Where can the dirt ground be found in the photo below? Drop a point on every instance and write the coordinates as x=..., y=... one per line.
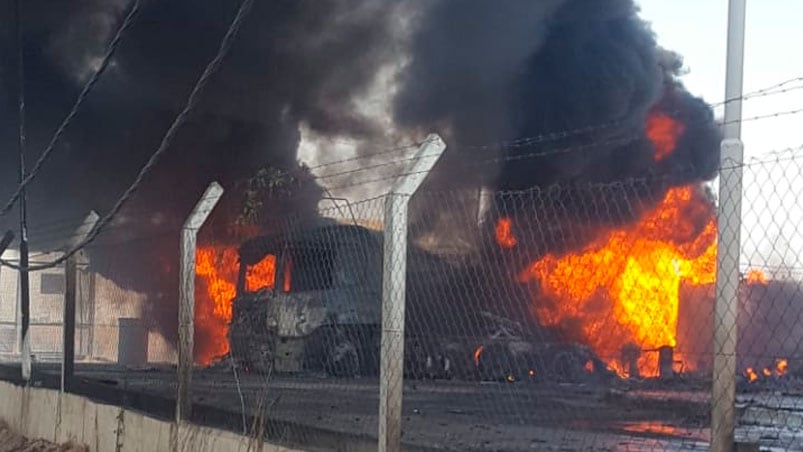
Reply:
x=11, y=441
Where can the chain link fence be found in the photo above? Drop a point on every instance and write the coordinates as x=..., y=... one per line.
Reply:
x=572, y=317
x=46, y=315
x=289, y=325
x=769, y=391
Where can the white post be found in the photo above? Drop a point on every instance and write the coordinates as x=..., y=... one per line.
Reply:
x=729, y=221
x=186, y=302
x=394, y=277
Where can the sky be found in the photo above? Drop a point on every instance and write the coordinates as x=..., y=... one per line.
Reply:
x=697, y=29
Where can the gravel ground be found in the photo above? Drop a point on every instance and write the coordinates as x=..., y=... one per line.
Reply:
x=11, y=441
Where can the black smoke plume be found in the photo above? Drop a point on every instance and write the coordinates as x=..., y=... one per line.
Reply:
x=476, y=71
x=293, y=62
x=492, y=72
x=585, y=74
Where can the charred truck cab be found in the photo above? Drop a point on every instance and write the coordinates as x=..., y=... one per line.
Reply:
x=319, y=311
x=323, y=310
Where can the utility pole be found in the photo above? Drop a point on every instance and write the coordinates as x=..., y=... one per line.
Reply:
x=729, y=222
x=25, y=300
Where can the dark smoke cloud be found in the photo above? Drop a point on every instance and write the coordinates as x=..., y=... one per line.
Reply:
x=491, y=72
x=498, y=71
x=293, y=62
x=479, y=72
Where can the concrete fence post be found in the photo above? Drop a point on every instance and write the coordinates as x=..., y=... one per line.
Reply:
x=726, y=308
x=729, y=224
x=394, y=277
x=186, y=305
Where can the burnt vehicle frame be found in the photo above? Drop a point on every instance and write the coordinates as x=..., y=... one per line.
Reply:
x=323, y=314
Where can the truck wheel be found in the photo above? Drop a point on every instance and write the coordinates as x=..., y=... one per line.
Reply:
x=342, y=359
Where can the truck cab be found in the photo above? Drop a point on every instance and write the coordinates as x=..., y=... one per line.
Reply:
x=320, y=311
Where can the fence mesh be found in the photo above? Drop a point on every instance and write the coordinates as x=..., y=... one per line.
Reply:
x=302, y=331
x=770, y=304
x=46, y=314
x=573, y=317
x=555, y=324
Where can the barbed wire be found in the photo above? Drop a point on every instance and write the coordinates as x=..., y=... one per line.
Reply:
x=775, y=155
x=559, y=135
x=764, y=116
x=211, y=68
x=543, y=153
x=88, y=86
x=402, y=148
x=624, y=140
x=531, y=141
x=777, y=88
x=522, y=142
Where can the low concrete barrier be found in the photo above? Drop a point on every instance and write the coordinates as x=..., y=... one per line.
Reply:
x=47, y=414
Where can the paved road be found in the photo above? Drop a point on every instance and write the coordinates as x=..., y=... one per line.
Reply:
x=473, y=416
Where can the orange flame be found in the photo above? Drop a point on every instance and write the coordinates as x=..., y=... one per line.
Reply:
x=781, y=367
x=751, y=375
x=262, y=275
x=767, y=372
x=589, y=366
x=288, y=275
x=477, y=354
x=504, y=233
x=216, y=267
x=754, y=276
x=664, y=132
x=624, y=286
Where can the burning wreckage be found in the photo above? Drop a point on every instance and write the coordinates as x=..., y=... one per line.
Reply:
x=616, y=280
x=628, y=297
x=308, y=301
x=321, y=311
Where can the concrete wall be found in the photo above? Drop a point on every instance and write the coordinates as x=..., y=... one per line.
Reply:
x=45, y=414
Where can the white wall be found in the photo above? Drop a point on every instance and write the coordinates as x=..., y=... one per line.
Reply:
x=111, y=302
x=46, y=414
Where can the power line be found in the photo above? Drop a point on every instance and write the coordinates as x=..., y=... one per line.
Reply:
x=129, y=19
x=211, y=68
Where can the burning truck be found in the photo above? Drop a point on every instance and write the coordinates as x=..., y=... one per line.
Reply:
x=321, y=312
x=599, y=260
x=309, y=300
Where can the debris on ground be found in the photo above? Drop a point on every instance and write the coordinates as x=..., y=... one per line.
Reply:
x=11, y=441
